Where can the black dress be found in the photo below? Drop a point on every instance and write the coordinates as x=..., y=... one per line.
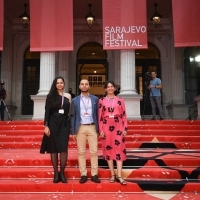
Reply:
x=59, y=129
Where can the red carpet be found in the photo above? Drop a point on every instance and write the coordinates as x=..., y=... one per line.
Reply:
x=161, y=156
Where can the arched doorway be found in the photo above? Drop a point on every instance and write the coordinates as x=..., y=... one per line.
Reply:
x=147, y=60
x=92, y=65
x=31, y=76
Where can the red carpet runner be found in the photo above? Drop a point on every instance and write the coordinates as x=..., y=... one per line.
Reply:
x=161, y=156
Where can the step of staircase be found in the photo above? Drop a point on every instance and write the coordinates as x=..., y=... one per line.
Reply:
x=129, y=145
x=161, y=156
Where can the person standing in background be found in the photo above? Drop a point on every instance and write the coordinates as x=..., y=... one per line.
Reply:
x=155, y=86
x=2, y=99
x=70, y=92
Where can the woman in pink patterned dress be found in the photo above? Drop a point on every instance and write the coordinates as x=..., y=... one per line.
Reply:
x=113, y=129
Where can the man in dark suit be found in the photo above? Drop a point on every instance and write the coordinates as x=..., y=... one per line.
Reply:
x=84, y=127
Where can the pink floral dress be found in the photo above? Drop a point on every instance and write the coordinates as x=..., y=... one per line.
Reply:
x=113, y=121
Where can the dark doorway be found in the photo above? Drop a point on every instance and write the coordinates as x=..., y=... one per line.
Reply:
x=146, y=61
x=142, y=84
x=92, y=65
x=31, y=76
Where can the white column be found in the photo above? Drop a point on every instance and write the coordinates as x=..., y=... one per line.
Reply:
x=178, y=109
x=47, y=71
x=47, y=74
x=128, y=89
x=128, y=72
x=197, y=99
x=177, y=79
x=63, y=69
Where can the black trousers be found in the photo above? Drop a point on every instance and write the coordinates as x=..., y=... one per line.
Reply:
x=2, y=109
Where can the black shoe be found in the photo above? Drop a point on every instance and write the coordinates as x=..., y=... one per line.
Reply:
x=153, y=118
x=95, y=179
x=121, y=181
x=56, y=178
x=62, y=178
x=161, y=118
x=83, y=179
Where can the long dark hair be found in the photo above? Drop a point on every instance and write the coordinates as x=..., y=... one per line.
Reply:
x=53, y=97
x=107, y=82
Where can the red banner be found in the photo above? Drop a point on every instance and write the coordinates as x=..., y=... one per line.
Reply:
x=1, y=23
x=51, y=25
x=186, y=17
x=124, y=24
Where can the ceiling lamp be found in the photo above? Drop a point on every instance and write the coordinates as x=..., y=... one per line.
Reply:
x=25, y=19
x=156, y=17
x=90, y=18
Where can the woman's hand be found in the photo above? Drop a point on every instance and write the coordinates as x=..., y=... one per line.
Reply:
x=47, y=131
x=124, y=133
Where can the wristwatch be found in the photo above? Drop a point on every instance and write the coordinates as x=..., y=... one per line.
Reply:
x=155, y=86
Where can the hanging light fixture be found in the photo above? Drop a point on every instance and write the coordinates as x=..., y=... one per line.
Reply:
x=90, y=18
x=156, y=17
x=25, y=19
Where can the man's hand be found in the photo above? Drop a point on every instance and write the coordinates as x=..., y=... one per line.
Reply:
x=152, y=86
x=74, y=138
x=102, y=134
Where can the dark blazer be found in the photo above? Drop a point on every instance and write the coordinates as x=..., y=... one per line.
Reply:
x=75, y=113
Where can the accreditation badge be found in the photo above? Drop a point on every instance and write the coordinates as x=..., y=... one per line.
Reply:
x=86, y=114
x=61, y=111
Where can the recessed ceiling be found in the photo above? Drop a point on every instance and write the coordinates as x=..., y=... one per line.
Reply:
x=81, y=9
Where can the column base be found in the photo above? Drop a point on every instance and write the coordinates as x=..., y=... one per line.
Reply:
x=197, y=99
x=178, y=111
x=10, y=112
x=132, y=103
x=38, y=106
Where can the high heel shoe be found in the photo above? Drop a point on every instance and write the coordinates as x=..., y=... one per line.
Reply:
x=112, y=179
x=62, y=178
x=56, y=178
x=121, y=181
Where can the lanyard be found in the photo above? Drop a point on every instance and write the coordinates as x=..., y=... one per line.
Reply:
x=86, y=106
x=109, y=101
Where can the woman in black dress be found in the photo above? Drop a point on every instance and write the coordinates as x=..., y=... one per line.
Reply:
x=56, y=131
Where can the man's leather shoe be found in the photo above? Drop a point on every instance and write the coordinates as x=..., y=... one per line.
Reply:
x=95, y=179
x=83, y=179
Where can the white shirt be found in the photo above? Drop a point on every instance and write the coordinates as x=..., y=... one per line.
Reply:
x=86, y=109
